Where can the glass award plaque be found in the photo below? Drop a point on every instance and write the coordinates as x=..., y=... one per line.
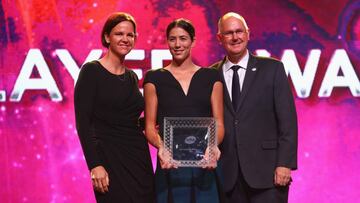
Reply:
x=187, y=139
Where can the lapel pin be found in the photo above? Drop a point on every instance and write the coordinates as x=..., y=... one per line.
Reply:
x=253, y=69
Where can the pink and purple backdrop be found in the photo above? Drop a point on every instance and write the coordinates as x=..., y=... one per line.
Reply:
x=43, y=44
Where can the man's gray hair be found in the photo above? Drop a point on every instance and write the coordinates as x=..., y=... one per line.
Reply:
x=232, y=14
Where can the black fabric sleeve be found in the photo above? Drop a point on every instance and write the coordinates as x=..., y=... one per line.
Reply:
x=287, y=118
x=84, y=99
x=134, y=77
x=215, y=75
x=150, y=77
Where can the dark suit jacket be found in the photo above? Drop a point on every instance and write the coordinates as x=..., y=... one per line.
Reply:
x=261, y=133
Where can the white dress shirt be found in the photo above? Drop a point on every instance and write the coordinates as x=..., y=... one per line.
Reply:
x=228, y=72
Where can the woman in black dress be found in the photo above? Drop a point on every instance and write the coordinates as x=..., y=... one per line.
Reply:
x=108, y=104
x=182, y=89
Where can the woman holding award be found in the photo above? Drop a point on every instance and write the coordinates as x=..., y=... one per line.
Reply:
x=182, y=89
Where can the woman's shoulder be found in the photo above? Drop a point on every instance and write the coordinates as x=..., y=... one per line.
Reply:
x=210, y=74
x=209, y=71
x=155, y=72
x=90, y=67
x=131, y=72
x=154, y=75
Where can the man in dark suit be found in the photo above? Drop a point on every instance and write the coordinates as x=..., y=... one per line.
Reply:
x=260, y=143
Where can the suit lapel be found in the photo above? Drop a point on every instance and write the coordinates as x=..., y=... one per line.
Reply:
x=227, y=99
x=251, y=71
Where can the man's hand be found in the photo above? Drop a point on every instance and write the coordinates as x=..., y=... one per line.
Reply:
x=282, y=176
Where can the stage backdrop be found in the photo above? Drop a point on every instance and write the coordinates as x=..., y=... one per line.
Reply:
x=44, y=43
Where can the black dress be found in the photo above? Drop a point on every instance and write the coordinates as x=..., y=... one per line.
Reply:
x=107, y=109
x=184, y=184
